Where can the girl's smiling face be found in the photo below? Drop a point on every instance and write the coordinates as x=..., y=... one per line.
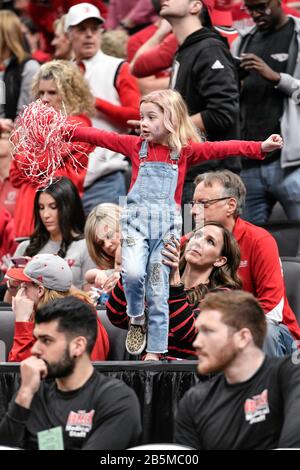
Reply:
x=152, y=124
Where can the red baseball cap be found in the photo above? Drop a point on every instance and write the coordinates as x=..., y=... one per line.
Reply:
x=16, y=271
x=17, y=274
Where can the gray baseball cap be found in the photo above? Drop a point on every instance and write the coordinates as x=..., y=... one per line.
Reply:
x=51, y=271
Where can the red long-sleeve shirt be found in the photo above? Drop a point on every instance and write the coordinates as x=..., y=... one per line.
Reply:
x=192, y=154
x=136, y=40
x=261, y=273
x=156, y=59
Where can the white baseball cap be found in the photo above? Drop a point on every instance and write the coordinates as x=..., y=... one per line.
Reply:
x=81, y=12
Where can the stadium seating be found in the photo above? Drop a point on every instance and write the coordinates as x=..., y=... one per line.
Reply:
x=287, y=236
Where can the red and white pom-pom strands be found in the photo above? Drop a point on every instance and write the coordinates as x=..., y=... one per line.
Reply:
x=41, y=142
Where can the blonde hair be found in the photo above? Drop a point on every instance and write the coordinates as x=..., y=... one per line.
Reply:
x=59, y=24
x=71, y=85
x=11, y=36
x=176, y=118
x=109, y=215
x=50, y=295
x=114, y=43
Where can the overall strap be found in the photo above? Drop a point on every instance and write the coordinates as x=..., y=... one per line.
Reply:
x=143, y=153
x=174, y=156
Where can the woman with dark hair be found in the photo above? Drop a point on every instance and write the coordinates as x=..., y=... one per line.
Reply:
x=198, y=269
x=59, y=228
x=209, y=262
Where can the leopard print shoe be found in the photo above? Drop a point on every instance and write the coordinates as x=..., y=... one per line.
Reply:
x=136, y=339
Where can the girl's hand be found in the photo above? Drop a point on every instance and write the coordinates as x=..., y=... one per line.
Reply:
x=22, y=307
x=274, y=142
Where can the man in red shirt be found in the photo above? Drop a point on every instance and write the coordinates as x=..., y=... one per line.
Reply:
x=220, y=196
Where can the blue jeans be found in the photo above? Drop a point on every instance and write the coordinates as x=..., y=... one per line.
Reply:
x=279, y=341
x=106, y=189
x=149, y=219
x=266, y=184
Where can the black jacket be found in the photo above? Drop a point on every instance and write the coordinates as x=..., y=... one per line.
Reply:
x=12, y=81
x=205, y=75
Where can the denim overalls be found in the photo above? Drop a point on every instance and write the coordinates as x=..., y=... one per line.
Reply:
x=150, y=218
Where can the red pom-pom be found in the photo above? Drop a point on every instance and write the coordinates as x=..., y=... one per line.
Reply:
x=41, y=142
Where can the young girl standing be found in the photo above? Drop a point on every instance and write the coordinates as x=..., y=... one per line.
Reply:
x=167, y=147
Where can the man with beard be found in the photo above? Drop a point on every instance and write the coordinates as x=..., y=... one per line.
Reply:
x=269, y=103
x=77, y=408
x=253, y=403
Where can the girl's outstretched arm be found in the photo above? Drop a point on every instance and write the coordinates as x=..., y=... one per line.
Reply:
x=119, y=143
x=233, y=148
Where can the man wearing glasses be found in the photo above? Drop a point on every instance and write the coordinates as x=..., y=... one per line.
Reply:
x=220, y=196
x=269, y=103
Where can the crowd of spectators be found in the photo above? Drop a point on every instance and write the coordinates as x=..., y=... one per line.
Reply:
x=235, y=64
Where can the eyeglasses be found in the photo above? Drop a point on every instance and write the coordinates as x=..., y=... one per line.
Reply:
x=259, y=7
x=208, y=202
